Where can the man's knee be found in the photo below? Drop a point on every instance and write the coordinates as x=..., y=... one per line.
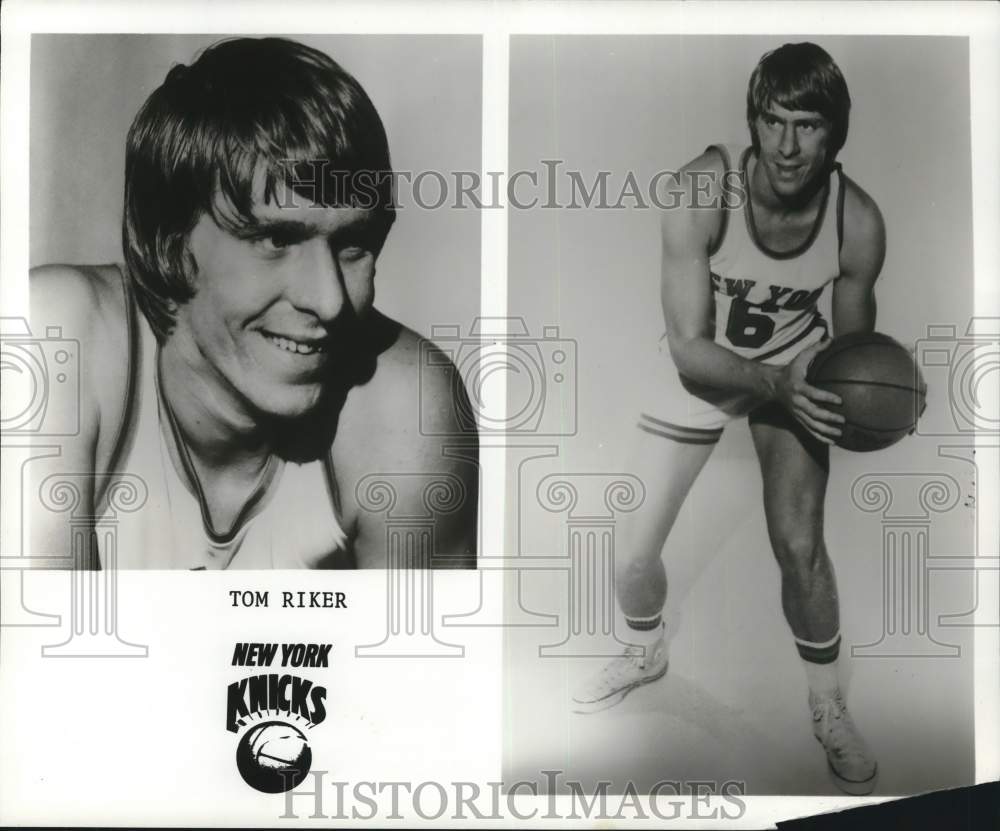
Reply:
x=800, y=552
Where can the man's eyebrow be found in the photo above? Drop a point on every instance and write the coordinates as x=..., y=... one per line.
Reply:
x=294, y=228
x=805, y=119
x=299, y=229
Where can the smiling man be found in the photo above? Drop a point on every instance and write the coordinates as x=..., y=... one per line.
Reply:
x=741, y=280
x=235, y=362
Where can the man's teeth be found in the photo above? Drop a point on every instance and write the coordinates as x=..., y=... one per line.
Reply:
x=295, y=346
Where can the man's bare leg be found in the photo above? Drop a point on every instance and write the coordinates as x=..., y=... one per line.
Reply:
x=795, y=467
x=667, y=468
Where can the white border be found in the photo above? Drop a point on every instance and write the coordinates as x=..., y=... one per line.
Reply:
x=493, y=289
x=984, y=69
x=497, y=21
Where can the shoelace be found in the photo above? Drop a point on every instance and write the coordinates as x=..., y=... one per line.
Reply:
x=620, y=665
x=831, y=715
x=623, y=663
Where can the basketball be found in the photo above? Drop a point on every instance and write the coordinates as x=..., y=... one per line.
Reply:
x=273, y=757
x=881, y=387
x=277, y=746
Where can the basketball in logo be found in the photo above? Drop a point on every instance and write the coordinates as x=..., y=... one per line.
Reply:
x=273, y=757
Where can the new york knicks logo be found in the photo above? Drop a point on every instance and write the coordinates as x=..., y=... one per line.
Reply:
x=274, y=714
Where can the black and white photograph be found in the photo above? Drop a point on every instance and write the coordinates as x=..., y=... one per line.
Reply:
x=208, y=217
x=470, y=413
x=757, y=589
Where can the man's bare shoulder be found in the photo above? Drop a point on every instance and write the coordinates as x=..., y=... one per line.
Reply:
x=862, y=248
x=77, y=297
x=862, y=217
x=693, y=201
x=405, y=424
x=710, y=161
x=86, y=304
x=706, y=178
x=415, y=392
x=416, y=384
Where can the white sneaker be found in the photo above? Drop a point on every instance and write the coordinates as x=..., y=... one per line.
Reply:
x=620, y=676
x=851, y=763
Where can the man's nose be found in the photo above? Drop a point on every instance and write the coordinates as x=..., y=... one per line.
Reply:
x=319, y=286
x=789, y=145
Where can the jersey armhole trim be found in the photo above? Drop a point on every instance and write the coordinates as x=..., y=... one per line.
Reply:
x=333, y=488
x=841, y=188
x=131, y=384
x=724, y=226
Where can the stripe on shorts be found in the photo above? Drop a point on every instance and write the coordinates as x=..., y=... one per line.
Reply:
x=677, y=432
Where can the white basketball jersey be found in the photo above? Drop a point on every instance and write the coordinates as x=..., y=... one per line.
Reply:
x=766, y=301
x=292, y=524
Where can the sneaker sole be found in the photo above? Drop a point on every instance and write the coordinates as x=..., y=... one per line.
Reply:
x=852, y=786
x=588, y=707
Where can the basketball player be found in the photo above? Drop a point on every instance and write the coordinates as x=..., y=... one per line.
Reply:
x=235, y=362
x=744, y=265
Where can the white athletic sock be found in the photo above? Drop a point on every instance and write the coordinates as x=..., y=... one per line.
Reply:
x=644, y=631
x=821, y=661
x=822, y=678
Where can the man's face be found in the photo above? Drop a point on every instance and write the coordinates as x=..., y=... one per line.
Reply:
x=794, y=145
x=273, y=300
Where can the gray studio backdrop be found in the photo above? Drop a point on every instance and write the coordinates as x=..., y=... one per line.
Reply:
x=733, y=704
x=85, y=90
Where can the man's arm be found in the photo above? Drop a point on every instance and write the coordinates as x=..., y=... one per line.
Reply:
x=451, y=451
x=68, y=298
x=687, y=234
x=861, y=256
x=415, y=442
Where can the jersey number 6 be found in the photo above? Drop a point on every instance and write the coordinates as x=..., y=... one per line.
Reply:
x=746, y=328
